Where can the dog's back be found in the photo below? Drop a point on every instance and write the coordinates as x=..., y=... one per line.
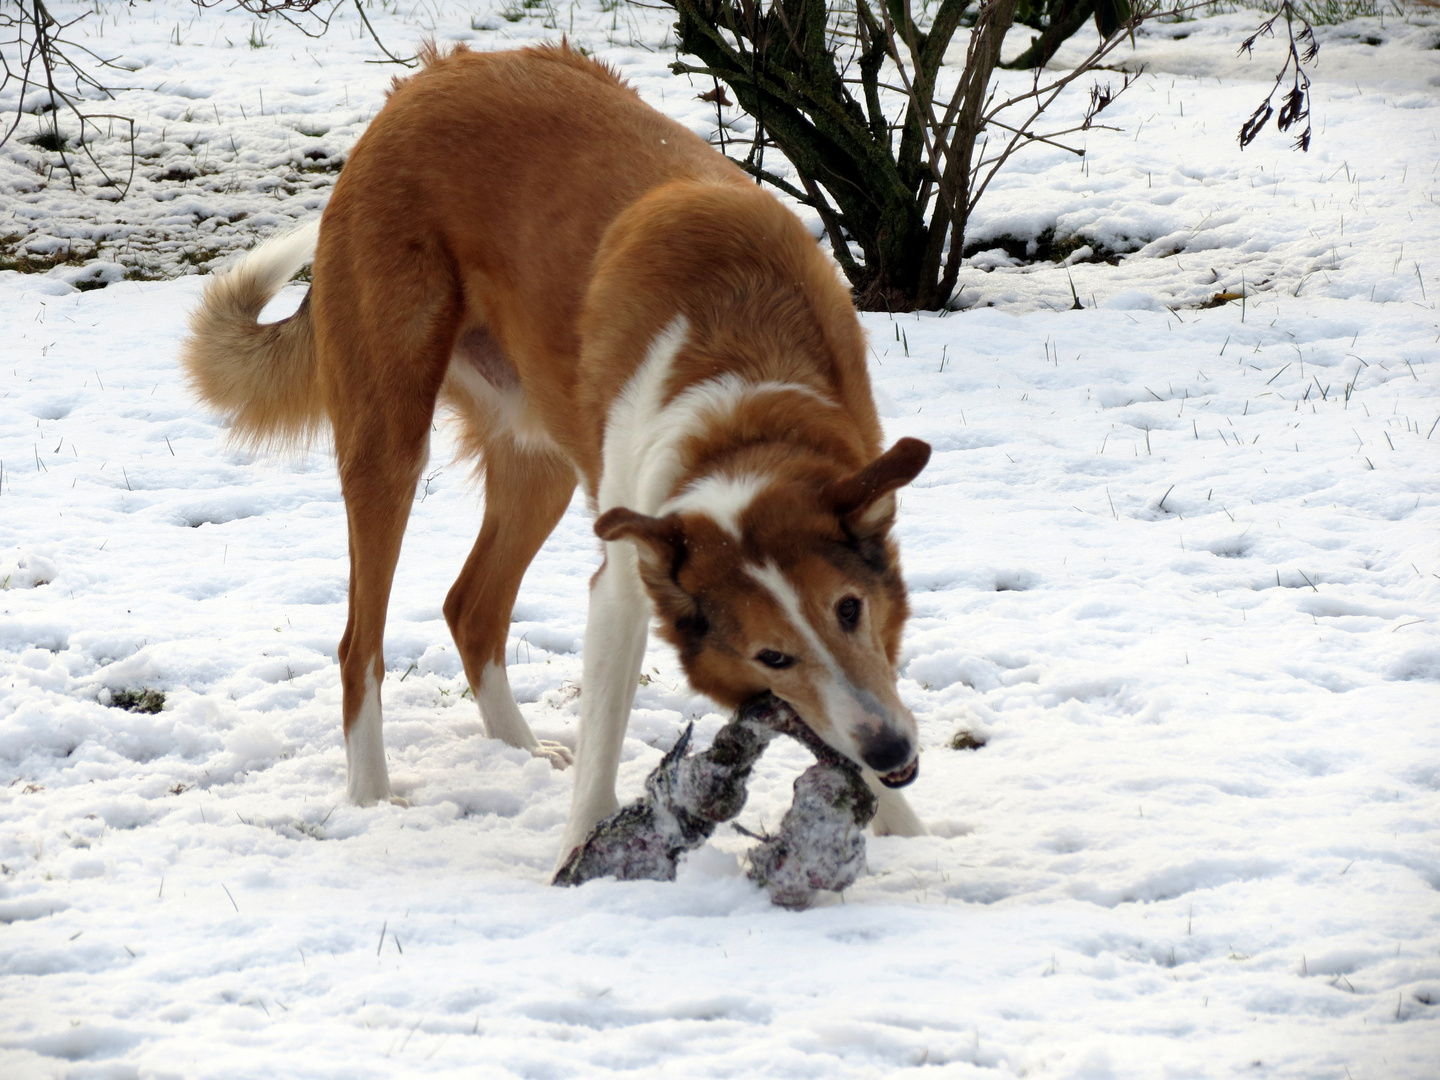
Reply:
x=506, y=168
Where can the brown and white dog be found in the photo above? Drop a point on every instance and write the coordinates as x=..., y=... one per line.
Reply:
x=598, y=295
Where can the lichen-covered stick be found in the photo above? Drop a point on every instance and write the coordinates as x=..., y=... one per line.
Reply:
x=684, y=799
x=820, y=844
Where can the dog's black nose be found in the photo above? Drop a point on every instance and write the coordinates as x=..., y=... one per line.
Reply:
x=886, y=751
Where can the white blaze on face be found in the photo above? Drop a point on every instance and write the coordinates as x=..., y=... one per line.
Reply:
x=838, y=695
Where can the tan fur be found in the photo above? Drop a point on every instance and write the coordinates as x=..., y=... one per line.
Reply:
x=507, y=239
x=807, y=526
x=263, y=377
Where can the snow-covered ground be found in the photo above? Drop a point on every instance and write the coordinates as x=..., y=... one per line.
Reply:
x=1178, y=569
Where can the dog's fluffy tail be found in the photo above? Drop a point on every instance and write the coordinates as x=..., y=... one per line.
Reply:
x=262, y=376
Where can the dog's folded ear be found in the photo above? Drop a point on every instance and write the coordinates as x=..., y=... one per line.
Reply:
x=865, y=502
x=664, y=536
x=660, y=545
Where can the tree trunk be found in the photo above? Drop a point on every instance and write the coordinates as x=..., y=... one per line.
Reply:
x=782, y=66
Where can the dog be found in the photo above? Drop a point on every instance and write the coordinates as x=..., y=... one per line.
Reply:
x=600, y=297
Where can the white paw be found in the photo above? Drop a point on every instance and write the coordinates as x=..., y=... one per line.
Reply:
x=894, y=817
x=368, y=794
x=898, y=824
x=880, y=827
x=558, y=754
x=373, y=798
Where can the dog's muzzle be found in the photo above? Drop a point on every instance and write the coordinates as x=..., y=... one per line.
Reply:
x=892, y=757
x=901, y=777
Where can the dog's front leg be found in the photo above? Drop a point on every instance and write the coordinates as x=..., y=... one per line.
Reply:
x=893, y=816
x=614, y=648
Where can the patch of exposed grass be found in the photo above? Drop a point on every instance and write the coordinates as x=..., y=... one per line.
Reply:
x=139, y=272
x=180, y=172
x=50, y=140
x=1046, y=247
x=143, y=700
x=966, y=740
x=13, y=256
x=201, y=257
x=321, y=161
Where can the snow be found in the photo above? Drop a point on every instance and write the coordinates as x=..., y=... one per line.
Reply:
x=1177, y=566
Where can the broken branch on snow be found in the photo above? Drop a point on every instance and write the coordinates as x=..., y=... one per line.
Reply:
x=820, y=844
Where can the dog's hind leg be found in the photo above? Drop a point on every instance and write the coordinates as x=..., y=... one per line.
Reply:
x=526, y=492
x=382, y=370
x=379, y=486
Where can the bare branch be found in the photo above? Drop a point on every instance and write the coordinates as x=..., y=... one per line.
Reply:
x=45, y=59
x=1301, y=49
x=794, y=64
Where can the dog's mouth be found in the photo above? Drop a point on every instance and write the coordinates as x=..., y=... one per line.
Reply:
x=901, y=777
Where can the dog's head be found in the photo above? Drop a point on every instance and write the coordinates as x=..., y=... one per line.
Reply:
x=790, y=582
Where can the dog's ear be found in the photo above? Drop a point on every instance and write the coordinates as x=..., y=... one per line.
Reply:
x=865, y=502
x=660, y=545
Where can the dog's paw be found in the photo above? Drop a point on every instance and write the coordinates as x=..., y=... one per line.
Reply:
x=396, y=800
x=558, y=754
x=368, y=794
x=894, y=817
x=898, y=824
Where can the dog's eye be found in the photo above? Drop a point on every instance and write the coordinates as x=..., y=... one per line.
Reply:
x=848, y=612
x=777, y=660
